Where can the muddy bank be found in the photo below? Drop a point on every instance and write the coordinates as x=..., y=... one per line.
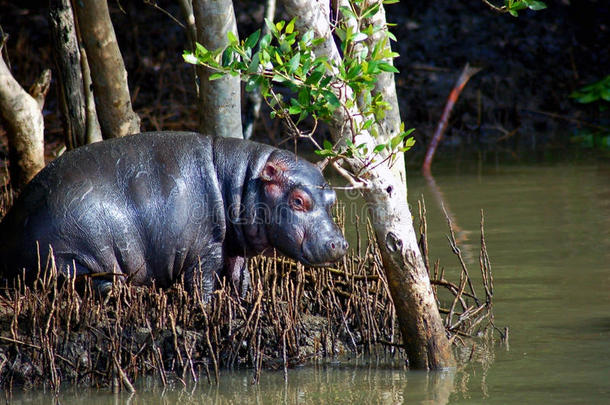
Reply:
x=54, y=334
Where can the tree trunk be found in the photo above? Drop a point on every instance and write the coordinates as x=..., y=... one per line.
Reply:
x=219, y=100
x=108, y=74
x=73, y=101
x=22, y=114
x=386, y=196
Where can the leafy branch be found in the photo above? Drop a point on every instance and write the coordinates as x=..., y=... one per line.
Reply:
x=296, y=84
x=514, y=6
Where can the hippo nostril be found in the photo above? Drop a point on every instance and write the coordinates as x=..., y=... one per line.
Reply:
x=332, y=245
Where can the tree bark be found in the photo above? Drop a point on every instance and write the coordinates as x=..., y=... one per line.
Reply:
x=108, y=74
x=386, y=196
x=70, y=77
x=219, y=100
x=22, y=114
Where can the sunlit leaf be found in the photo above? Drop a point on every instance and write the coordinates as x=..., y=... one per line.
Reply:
x=253, y=39
x=216, y=76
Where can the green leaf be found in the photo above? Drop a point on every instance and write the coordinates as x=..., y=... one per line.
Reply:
x=200, y=49
x=294, y=109
x=314, y=78
x=347, y=12
x=340, y=33
x=190, y=58
x=253, y=39
x=584, y=98
x=227, y=56
x=271, y=27
x=379, y=148
x=265, y=41
x=354, y=70
x=278, y=59
x=294, y=62
x=254, y=63
x=535, y=5
x=372, y=67
x=367, y=124
x=395, y=141
x=325, y=153
x=278, y=79
x=325, y=81
x=408, y=145
x=518, y=5
x=331, y=98
x=387, y=67
x=304, y=95
x=390, y=1
x=370, y=11
x=327, y=145
x=216, y=76
x=359, y=37
x=252, y=83
x=307, y=37
x=232, y=38
x=290, y=26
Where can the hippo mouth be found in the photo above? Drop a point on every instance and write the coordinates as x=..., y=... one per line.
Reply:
x=307, y=258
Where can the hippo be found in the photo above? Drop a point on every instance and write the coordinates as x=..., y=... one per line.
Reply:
x=154, y=207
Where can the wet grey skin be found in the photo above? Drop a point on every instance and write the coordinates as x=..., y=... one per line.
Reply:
x=156, y=206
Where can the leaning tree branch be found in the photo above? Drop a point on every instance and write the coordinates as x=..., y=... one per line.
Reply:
x=22, y=114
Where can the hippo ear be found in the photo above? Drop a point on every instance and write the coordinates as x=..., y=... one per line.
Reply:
x=272, y=172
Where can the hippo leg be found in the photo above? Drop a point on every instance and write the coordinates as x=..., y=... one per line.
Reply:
x=236, y=270
x=68, y=266
x=201, y=276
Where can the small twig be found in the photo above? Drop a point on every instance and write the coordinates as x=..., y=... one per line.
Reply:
x=467, y=73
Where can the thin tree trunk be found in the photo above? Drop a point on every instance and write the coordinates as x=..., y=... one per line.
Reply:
x=386, y=196
x=70, y=77
x=219, y=100
x=22, y=114
x=108, y=74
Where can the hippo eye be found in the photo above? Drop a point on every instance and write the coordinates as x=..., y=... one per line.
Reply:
x=300, y=201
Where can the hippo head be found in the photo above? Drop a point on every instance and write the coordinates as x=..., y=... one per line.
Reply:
x=298, y=203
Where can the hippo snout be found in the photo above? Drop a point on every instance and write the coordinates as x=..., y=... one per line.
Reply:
x=336, y=248
x=322, y=252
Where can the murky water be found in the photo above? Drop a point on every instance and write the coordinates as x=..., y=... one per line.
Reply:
x=548, y=235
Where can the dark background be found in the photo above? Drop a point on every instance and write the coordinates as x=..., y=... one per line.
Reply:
x=517, y=104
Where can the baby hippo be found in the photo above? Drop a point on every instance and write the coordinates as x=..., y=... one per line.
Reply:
x=156, y=206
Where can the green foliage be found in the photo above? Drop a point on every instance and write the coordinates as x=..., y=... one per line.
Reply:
x=590, y=93
x=286, y=58
x=514, y=6
x=592, y=139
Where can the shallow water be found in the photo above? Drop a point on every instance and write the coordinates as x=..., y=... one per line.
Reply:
x=548, y=236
